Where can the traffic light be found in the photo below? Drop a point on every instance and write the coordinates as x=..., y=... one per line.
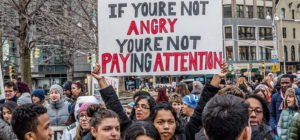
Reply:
x=263, y=64
x=11, y=72
x=89, y=58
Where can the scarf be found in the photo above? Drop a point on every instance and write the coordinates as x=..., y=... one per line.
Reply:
x=281, y=107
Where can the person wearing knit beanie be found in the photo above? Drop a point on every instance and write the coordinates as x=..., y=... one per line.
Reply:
x=67, y=89
x=189, y=104
x=84, y=121
x=38, y=96
x=57, y=89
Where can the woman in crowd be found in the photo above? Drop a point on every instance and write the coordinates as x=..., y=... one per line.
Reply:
x=182, y=89
x=83, y=128
x=105, y=124
x=162, y=95
x=294, y=133
x=142, y=130
x=176, y=102
x=243, y=85
x=5, y=120
x=129, y=108
x=289, y=111
x=38, y=96
x=259, y=115
x=262, y=93
x=189, y=104
x=57, y=109
x=23, y=93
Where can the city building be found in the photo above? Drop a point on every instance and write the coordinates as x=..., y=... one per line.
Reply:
x=288, y=32
x=248, y=38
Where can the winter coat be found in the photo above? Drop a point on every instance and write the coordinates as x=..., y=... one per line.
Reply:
x=275, y=111
x=285, y=121
x=184, y=133
x=6, y=131
x=2, y=101
x=88, y=136
x=295, y=128
x=58, y=112
x=70, y=132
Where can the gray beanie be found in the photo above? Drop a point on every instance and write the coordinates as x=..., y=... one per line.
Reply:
x=24, y=99
x=58, y=88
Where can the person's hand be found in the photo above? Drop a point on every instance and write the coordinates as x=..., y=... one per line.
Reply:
x=224, y=70
x=96, y=72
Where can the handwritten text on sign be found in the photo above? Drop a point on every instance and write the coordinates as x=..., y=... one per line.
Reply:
x=151, y=37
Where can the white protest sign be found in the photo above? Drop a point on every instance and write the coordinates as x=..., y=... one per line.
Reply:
x=152, y=37
x=58, y=132
x=114, y=82
x=1, y=85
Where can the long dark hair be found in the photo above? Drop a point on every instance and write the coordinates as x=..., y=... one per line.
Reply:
x=141, y=128
x=151, y=103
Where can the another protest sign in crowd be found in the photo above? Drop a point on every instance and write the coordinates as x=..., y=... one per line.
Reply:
x=265, y=110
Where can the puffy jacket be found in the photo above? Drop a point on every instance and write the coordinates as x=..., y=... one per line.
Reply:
x=58, y=112
x=284, y=123
x=274, y=108
x=70, y=132
x=295, y=128
x=6, y=131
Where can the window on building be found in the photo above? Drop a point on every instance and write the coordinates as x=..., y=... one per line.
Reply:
x=285, y=53
x=229, y=53
x=284, y=32
x=249, y=11
x=247, y=53
x=240, y=11
x=293, y=53
x=269, y=11
x=294, y=33
x=265, y=33
x=293, y=14
x=246, y=33
x=228, y=32
x=265, y=53
x=282, y=16
x=260, y=12
x=227, y=11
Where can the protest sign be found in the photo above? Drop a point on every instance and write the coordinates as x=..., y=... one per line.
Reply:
x=151, y=37
x=58, y=132
x=1, y=85
x=93, y=86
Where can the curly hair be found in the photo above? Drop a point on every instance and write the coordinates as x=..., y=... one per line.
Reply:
x=233, y=91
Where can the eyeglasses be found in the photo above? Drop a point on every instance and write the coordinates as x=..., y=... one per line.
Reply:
x=144, y=107
x=83, y=116
x=257, y=110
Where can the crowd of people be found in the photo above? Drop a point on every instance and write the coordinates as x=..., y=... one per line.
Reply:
x=265, y=110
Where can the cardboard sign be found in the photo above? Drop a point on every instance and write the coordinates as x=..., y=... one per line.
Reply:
x=152, y=37
x=114, y=82
x=1, y=85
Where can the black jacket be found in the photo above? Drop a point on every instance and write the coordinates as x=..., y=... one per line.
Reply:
x=184, y=133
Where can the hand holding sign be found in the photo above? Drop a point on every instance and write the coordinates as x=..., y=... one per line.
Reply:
x=224, y=70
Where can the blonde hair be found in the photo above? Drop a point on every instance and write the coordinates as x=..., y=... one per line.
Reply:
x=241, y=80
x=174, y=97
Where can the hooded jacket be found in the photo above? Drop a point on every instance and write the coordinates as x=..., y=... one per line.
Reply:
x=58, y=112
x=285, y=121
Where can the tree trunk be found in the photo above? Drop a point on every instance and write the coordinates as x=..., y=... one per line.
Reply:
x=1, y=57
x=69, y=66
x=121, y=84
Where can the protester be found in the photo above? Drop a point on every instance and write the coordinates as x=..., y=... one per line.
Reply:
x=261, y=92
x=162, y=95
x=67, y=91
x=22, y=89
x=143, y=108
x=83, y=128
x=189, y=104
x=182, y=89
x=105, y=125
x=295, y=81
x=176, y=102
x=5, y=120
x=10, y=90
x=277, y=102
x=197, y=88
x=77, y=90
x=226, y=117
x=24, y=99
x=129, y=108
x=7, y=110
x=137, y=94
x=31, y=122
x=289, y=111
x=38, y=96
x=142, y=130
x=57, y=108
x=259, y=115
x=243, y=85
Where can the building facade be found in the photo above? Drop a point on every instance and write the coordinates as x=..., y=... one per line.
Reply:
x=288, y=31
x=248, y=36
